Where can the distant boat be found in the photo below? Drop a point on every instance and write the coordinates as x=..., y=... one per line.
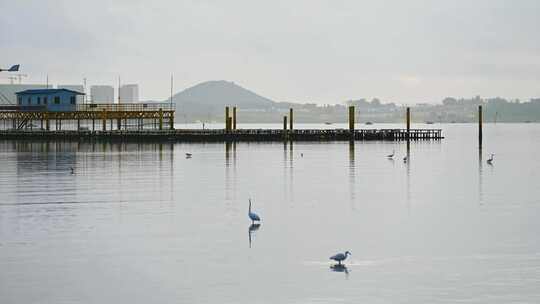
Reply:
x=429, y=122
x=369, y=123
x=327, y=123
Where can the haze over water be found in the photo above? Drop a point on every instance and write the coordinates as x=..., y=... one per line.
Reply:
x=140, y=223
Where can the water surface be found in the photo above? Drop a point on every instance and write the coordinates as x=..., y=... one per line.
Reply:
x=140, y=223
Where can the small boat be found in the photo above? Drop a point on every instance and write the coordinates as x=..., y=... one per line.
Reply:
x=369, y=123
x=429, y=122
x=327, y=123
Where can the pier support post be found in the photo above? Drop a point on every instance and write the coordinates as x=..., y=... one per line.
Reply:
x=160, y=119
x=408, y=122
x=480, y=124
x=78, y=124
x=285, y=126
x=119, y=124
x=171, y=120
x=234, y=118
x=291, y=117
x=47, y=124
x=104, y=120
x=351, y=119
x=226, y=119
x=229, y=122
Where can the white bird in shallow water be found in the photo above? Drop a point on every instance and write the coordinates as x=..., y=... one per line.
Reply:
x=340, y=257
x=253, y=216
x=391, y=155
x=490, y=160
x=188, y=155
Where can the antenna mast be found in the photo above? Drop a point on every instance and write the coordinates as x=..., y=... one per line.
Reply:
x=171, y=90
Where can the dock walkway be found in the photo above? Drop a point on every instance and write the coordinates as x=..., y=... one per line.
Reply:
x=220, y=135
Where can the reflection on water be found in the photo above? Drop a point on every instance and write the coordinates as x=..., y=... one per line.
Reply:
x=252, y=228
x=480, y=176
x=144, y=215
x=340, y=268
x=352, y=179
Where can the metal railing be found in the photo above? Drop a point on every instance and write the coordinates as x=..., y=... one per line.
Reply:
x=125, y=107
x=114, y=107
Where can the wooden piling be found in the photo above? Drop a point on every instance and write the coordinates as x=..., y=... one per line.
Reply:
x=119, y=124
x=285, y=125
x=160, y=119
x=229, y=122
x=291, y=119
x=408, y=118
x=171, y=120
x=351, y=119
x=234, y=118
x=480, y=124
x=226, y=119
x=104, y=118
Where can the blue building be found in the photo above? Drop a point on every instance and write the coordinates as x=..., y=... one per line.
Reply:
x=56, y=100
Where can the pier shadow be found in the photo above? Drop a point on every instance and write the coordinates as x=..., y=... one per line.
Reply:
x=252, y=228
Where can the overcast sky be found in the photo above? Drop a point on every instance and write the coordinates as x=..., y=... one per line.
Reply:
x=305, y=51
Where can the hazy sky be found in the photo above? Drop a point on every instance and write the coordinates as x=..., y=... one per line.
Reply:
x=307, y=51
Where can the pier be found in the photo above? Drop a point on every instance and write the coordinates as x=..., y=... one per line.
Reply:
x=155, y=122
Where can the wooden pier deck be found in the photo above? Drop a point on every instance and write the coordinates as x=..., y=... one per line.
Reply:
x=222, y=135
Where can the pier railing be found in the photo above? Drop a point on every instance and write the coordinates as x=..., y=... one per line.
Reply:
x=92, y=107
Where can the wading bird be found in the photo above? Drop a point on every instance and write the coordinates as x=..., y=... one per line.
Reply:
x=405, y=159
x=340, y=257
x=72, y=170
x=253, y=216
x=490, y=160
x=391, y=155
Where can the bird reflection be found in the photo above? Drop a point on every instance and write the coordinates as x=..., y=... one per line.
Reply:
x=251, y=229
x=340, y=268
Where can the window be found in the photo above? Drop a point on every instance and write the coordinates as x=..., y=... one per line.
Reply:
x=39, y=100
x=56, y=99
x=45, y=100
x=29, y=100
x=19, y=100
x=72, y=100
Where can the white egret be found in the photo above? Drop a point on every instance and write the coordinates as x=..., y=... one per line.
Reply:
x=340, y=257
x=253, y=216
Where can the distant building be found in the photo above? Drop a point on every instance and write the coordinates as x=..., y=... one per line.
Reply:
x=7, y=91
x=52, y=99
x=102, y=94
x=74, y=87
x=129, y=93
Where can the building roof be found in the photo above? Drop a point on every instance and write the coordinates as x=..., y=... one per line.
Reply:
x=47, y=91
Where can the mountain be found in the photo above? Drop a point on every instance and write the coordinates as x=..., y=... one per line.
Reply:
x=209, y=99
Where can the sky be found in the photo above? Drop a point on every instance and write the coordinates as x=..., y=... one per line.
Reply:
x=297, y=51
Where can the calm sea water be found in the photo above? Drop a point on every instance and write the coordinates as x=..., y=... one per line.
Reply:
x=140, y=223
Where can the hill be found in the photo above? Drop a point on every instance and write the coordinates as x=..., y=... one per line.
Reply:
x=209, y=99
